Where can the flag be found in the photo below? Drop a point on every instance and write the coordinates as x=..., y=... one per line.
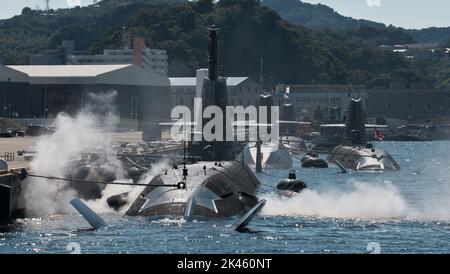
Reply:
x=378, y=135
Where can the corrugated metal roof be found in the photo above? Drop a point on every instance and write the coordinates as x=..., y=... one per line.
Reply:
x=67, y=70
x=192, y=81
x=124, y=74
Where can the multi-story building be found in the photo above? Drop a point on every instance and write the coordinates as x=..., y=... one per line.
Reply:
x=418, y=105
x=331, y=100
x=151, y=59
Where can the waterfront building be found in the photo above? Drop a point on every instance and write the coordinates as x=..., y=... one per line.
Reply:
x=42, y=92
x=330, y=101
x=416, y=105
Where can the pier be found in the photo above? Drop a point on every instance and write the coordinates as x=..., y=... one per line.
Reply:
x=10, y=190
x=11, y=206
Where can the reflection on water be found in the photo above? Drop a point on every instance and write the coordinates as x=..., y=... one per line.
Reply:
x=406, y=211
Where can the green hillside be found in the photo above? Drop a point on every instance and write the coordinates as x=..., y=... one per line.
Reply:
x=249, y=32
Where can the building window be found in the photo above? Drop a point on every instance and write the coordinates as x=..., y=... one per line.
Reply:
x=428, y=106
x=248, y=90
x=410, y=106
x=389, y=106
x=232, y=101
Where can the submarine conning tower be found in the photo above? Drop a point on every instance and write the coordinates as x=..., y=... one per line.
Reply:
x=214, y=93
x=288, y=114
x=266, y=100
x=212, y=53
x=355, y=129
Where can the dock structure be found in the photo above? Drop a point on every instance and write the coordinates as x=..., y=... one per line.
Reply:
x=12, y=177
x=10, y=190
x=11, y=182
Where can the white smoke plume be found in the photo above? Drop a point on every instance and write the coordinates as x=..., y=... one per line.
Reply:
x=361, y=201
x=101, y=205
x=87, y=131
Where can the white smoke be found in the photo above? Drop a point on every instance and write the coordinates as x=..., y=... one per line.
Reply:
x=101, y=205
x=86, y=132
x=361, y=201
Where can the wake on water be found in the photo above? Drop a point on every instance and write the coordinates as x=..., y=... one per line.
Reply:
x=75, y=135
x=362, y=200
x=359, y=200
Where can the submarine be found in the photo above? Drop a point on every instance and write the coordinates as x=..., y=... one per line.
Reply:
x=312, y=160
x=356, y=153
x=273, y=155
x=289, y=128
x=215, y=184
x=291, y=186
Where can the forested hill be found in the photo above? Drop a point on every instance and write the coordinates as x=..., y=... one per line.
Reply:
x=249, y=31
x=323, y=17
x=316, y=16
x=431, y=35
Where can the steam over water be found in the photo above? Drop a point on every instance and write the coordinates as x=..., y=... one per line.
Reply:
x=86, y=132
x=359, y=200
x=419, y=192
x=405, y=212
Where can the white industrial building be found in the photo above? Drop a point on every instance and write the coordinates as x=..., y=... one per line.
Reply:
x=43, y=91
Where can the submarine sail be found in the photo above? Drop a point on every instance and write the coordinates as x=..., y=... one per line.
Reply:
x=216, y=186
x=356, y=153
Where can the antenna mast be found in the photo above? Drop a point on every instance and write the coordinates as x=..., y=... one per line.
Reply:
x=261, y=72
x=212, y=53
x=185, y=170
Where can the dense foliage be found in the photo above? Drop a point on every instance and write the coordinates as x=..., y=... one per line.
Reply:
x=315, y=16
x=249, y=32
x=323, y=17
x=430, y=35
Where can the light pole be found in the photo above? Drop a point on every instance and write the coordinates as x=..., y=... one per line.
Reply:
x=45, y=102
x=136, y=109
x=131, y=108
x=4, y=95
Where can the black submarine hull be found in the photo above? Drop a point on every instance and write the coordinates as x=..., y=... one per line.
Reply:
x=361, y=158
x=222, y=189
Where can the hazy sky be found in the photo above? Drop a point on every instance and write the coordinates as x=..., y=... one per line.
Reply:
x=402, y=13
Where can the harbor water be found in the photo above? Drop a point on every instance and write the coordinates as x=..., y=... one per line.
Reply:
x=361, y=212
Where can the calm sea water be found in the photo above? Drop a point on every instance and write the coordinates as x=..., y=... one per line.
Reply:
x=399, y=212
